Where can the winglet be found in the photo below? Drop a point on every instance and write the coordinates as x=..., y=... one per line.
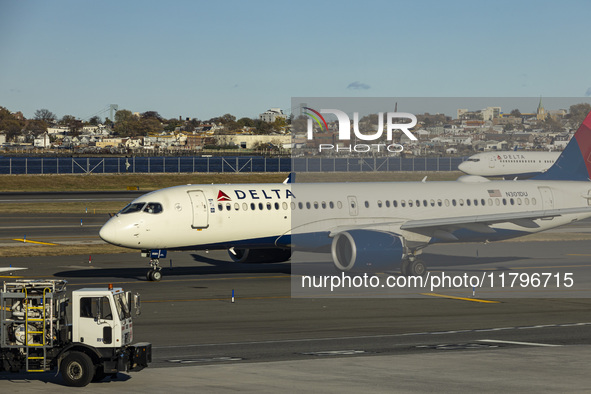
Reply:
x=574, y=164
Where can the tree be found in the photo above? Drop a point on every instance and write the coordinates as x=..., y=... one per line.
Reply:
x=36, y=126
x=516, y=113
x=45, y=115
x=227, y=118
x=245, y=122
x=172, y=124
x=578, y=112
x=151, y=115
x=126, y=124
x=149, y=125
x=95, y=121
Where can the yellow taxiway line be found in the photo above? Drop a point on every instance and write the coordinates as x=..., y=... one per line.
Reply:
x=34, y=242
x=461, y=298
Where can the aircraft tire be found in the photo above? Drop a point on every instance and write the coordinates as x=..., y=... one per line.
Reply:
x=150, y=275
x=417, y=268
x=156, y=275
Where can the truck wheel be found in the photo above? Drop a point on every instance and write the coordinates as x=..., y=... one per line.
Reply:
x=77, y=369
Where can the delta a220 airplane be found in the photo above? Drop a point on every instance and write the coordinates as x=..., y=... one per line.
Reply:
x=509, y=164
x=367, y=227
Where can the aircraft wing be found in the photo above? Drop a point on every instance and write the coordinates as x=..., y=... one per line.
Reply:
x=524, y=219
x=9, y=269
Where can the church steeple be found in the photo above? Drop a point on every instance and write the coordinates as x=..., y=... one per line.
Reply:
x=541, y=112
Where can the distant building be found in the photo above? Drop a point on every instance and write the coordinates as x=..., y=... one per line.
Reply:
x=272, y=114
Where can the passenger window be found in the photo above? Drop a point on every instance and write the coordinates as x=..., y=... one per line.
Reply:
x=308, y=204
x=331, y=205
x=220, y=207
x=387, y=203
x=395, y=204
x=402, y=203
x=533, y=201
x=236, y=206
x=261, y=206
x=379, y=203
x=432, y=203
x=468, y=203
x=284, y=205
x=228, y=206
x=424, y=203
x=244, y=206
x=277, y=205
x=418, y=203
x=300, y=205
x=323, y=203
x=252, y=206
x=268, y=206
x=453, y=202
x=315, y=204
x=339, y=204
x=439, y=202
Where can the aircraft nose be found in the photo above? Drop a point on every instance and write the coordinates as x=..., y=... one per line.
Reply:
x=463, y=166
x=108, y=232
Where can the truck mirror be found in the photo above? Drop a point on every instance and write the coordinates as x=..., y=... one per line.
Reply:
x=137, y=304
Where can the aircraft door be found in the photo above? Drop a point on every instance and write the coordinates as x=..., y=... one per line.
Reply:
x=492, y=162
x=200, y=211
x=547, y=198
x=353, y=207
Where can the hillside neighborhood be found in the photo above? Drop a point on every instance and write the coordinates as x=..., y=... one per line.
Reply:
x=277, y=133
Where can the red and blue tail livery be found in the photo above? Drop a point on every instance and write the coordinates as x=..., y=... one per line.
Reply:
x=574, y=164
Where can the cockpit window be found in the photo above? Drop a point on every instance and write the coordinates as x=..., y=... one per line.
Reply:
x=133, y=207
x=475, y=160
x=153, y=207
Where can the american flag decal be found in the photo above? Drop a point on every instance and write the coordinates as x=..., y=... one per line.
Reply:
x=494, y=193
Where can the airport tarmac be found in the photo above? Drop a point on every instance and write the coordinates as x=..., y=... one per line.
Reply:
x=267, y=341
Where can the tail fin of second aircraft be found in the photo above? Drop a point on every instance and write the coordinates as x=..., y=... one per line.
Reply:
x=574, y=164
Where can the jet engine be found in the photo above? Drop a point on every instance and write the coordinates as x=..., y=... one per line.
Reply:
x=367, y=251
x=259, y=256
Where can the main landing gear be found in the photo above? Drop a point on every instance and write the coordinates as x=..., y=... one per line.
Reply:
x=413, y=267
x=155, y=272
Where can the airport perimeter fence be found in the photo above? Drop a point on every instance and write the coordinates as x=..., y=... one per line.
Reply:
x=118, y=165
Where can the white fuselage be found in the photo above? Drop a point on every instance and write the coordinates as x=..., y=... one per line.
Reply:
x=267, y=215
x=509, y=164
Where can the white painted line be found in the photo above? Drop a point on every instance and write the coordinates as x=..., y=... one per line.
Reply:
x=518, y=343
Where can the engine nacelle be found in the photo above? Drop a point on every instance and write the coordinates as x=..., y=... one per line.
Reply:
x=259, y=256
x=367, y=251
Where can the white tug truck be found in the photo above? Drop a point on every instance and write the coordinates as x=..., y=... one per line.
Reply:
x=38, y=337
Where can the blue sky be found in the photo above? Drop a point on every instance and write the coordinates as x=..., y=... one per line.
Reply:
x=204, y=59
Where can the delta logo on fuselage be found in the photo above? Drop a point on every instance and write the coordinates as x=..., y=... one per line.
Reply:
x=511, y=157
x=257, y=194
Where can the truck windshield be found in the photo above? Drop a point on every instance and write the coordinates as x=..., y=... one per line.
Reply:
x=122, y=307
